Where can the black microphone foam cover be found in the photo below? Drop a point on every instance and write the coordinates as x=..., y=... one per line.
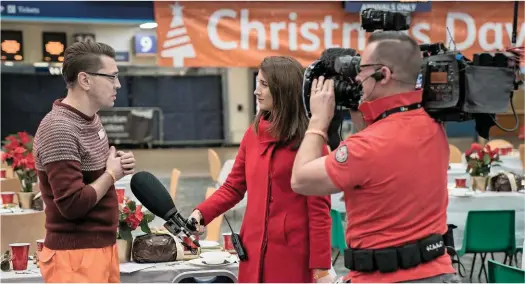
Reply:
x=152, y=194
x=329, y=56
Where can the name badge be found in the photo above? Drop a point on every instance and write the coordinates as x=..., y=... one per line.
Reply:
x=101, y=134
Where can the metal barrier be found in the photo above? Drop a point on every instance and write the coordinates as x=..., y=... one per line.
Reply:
x=209, y=276
x=133, y=125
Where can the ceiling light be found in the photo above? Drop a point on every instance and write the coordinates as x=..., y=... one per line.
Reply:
x=148, y=26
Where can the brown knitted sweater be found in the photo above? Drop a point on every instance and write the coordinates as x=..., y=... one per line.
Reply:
x=71, y=150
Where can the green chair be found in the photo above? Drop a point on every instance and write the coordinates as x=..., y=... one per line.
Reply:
x=338, y=233
x=489, y=232
x=501, y=273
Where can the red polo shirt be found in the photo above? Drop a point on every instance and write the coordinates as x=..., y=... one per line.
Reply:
x=394, y=176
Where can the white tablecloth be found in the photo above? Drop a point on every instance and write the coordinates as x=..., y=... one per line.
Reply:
x=458, y=208
x=161, y=273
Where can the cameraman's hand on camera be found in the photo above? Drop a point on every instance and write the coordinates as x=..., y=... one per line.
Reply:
x=198, y=217
x=322, y=103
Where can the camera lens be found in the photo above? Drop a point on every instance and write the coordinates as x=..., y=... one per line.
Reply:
x=347, y=66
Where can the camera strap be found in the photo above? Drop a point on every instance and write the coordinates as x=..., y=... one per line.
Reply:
x=398, y=109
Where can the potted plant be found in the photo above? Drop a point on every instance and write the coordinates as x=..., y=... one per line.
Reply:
x=479, y=162
x=130, y=218
x=18, y=154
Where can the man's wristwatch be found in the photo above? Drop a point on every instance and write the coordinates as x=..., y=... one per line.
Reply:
x=318, y=274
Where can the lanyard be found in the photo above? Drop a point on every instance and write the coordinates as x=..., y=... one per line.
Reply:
x=398, y=109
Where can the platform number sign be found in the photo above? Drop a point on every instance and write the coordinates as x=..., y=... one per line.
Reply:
x=145, y=45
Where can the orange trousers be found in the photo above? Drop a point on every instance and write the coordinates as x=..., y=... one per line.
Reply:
x=100, y=265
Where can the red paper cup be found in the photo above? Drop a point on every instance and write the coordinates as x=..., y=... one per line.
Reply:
x=20, y=255
x=2, y=173
x=189, y=242
x=39, y=244
x=120, y=195
x=227, y=242
x=7, y=197
x=461, y=183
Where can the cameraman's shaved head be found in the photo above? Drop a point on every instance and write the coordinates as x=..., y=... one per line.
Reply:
x=399, y=52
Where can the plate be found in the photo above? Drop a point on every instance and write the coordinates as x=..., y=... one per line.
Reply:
x=457, y=192
x=202, y=262
x=208, y=244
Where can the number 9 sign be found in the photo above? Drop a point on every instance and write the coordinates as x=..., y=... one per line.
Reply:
x=145, y=44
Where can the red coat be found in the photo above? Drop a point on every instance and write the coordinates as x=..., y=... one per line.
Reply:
x=285, y=234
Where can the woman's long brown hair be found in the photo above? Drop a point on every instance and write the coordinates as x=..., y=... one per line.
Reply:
x=288, y=118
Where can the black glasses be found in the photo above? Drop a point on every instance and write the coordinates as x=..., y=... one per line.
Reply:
x=112, y=76
x=371, y=65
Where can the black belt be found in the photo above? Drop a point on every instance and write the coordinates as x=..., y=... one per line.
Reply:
x=392, y=259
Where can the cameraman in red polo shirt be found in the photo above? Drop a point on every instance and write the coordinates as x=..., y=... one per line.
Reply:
x=393, y=172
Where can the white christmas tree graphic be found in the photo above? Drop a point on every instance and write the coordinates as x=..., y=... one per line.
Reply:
x=177, y=44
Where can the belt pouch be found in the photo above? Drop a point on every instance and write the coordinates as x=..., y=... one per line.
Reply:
x=409, y=256
x=431, y=247
x=349, y=259
x=386, y=260
x=363, y=260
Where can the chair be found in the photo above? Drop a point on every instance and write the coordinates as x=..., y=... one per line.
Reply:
x=489, y=231
x=455, y=154
x=213, y=230
x=501, y=273
x=215, y=164
x=206, y=276
x=338, y=233
x=174, y=181
x=499, y=143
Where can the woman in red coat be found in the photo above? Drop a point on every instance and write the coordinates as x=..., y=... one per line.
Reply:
x=286, y=235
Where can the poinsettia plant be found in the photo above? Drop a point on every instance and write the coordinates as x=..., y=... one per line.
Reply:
x=131, y=217
x=18, y=154
x=480, y=159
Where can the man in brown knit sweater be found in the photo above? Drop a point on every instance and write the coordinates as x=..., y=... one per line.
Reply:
x=77, y=171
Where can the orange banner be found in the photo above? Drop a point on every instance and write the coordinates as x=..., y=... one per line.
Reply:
x=241, y=34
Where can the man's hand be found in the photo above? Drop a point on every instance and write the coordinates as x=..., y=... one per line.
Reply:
x=322, y=103
x=127, y=161
x=198, y=217
x=113, y=164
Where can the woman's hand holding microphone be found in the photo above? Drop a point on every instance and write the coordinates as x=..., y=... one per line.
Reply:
x=196, y=218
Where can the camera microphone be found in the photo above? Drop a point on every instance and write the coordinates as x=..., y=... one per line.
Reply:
x=154, y=196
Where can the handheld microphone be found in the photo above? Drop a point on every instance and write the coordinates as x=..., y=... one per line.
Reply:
x=154, y=196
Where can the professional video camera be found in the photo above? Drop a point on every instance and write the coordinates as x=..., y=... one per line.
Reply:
x=454, y=87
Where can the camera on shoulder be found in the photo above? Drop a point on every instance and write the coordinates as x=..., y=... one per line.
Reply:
x=455, y=88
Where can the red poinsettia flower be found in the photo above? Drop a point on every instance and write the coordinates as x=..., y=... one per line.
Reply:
x=17, y=153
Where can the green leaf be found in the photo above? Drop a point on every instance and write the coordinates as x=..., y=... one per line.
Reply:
x=125, y=232
x=486, y=159
x=144, y=226
x=149, y=217
x=132, y=205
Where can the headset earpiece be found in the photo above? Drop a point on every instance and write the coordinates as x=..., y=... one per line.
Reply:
x=378, y=75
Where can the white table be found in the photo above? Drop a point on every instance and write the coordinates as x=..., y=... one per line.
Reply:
x=161, y=273
x=458, y=208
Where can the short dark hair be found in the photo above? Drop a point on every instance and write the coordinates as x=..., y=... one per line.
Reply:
x=83, y=57
x=399, y=52
x=288, y=117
